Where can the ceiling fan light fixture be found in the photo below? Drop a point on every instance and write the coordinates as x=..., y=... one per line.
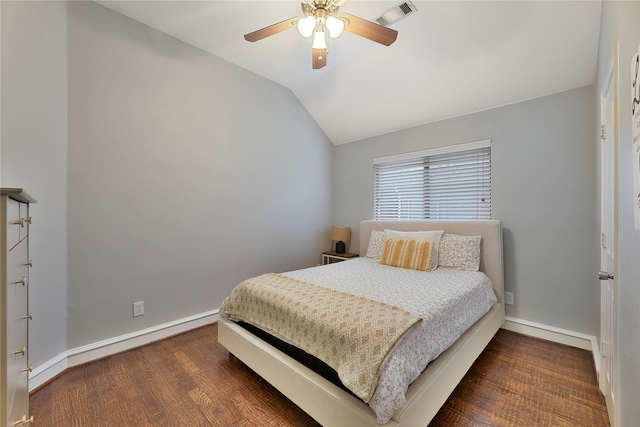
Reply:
x=321, y=20
x=335, y=26
x=319, y=39
x=306, y=26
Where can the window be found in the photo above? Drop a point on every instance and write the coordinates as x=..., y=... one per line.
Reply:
x=446, y=183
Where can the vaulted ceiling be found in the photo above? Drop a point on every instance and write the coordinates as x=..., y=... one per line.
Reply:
x=450, y=58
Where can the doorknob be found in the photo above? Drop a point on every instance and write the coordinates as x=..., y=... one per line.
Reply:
x=603, y=275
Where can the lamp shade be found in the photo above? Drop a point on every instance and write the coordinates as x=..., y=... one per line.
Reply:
x=319, y=39
x=342, y=234
x=306, y=26
x=335, y=26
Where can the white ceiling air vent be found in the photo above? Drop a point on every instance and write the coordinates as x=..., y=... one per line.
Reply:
x=396, y=13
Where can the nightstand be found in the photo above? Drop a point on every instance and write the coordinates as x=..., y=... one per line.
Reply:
x=329, y=257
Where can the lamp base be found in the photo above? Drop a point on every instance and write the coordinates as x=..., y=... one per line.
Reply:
x=340, y=247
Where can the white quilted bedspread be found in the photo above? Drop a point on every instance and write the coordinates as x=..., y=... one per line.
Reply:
x=448, y=300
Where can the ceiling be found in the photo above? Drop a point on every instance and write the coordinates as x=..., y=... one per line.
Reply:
x=451, y=57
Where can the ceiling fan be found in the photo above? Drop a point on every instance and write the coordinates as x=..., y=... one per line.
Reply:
x=321, y=20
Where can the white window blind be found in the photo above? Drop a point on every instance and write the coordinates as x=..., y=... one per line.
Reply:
x=449, y=183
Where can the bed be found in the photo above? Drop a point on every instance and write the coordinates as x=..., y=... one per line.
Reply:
x=329, y=403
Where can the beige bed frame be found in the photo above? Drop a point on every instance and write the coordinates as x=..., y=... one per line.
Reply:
x=332, y=406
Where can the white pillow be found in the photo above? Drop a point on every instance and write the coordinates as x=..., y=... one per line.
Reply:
x=432, y=236
x=376, y=244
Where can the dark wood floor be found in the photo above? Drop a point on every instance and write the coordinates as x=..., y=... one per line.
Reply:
x=190, y=380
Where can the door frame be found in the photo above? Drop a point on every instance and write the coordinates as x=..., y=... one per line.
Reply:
x=609, y=130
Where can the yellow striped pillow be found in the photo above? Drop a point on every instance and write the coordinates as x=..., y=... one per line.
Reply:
x=407, y=254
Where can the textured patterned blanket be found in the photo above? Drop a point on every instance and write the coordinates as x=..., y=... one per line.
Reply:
x=353, y=335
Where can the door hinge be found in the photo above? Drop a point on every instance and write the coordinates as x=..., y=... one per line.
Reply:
x=602, y=132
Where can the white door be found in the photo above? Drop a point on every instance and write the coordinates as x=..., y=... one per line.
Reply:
x=608, y=241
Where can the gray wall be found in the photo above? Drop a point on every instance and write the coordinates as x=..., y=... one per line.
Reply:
x=621, y=24
x=543, y=189
x=34, y=155
x=178, y=175
x=187, y=174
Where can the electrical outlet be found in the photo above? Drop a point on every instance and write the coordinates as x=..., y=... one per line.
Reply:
x=138, y=308
x=508, y=298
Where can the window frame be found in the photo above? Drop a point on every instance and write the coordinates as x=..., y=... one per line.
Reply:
x=411, y=170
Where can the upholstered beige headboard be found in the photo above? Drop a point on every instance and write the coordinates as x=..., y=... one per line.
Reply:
x=491, y=260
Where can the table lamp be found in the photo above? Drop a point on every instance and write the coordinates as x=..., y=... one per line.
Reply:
x=341, y=234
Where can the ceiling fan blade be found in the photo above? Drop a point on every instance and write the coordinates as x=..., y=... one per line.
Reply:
x=369, y=30
x=271, y=30
x=319, y=58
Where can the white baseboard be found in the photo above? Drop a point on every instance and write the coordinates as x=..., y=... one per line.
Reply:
x=108, y=347
x=559, y=335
